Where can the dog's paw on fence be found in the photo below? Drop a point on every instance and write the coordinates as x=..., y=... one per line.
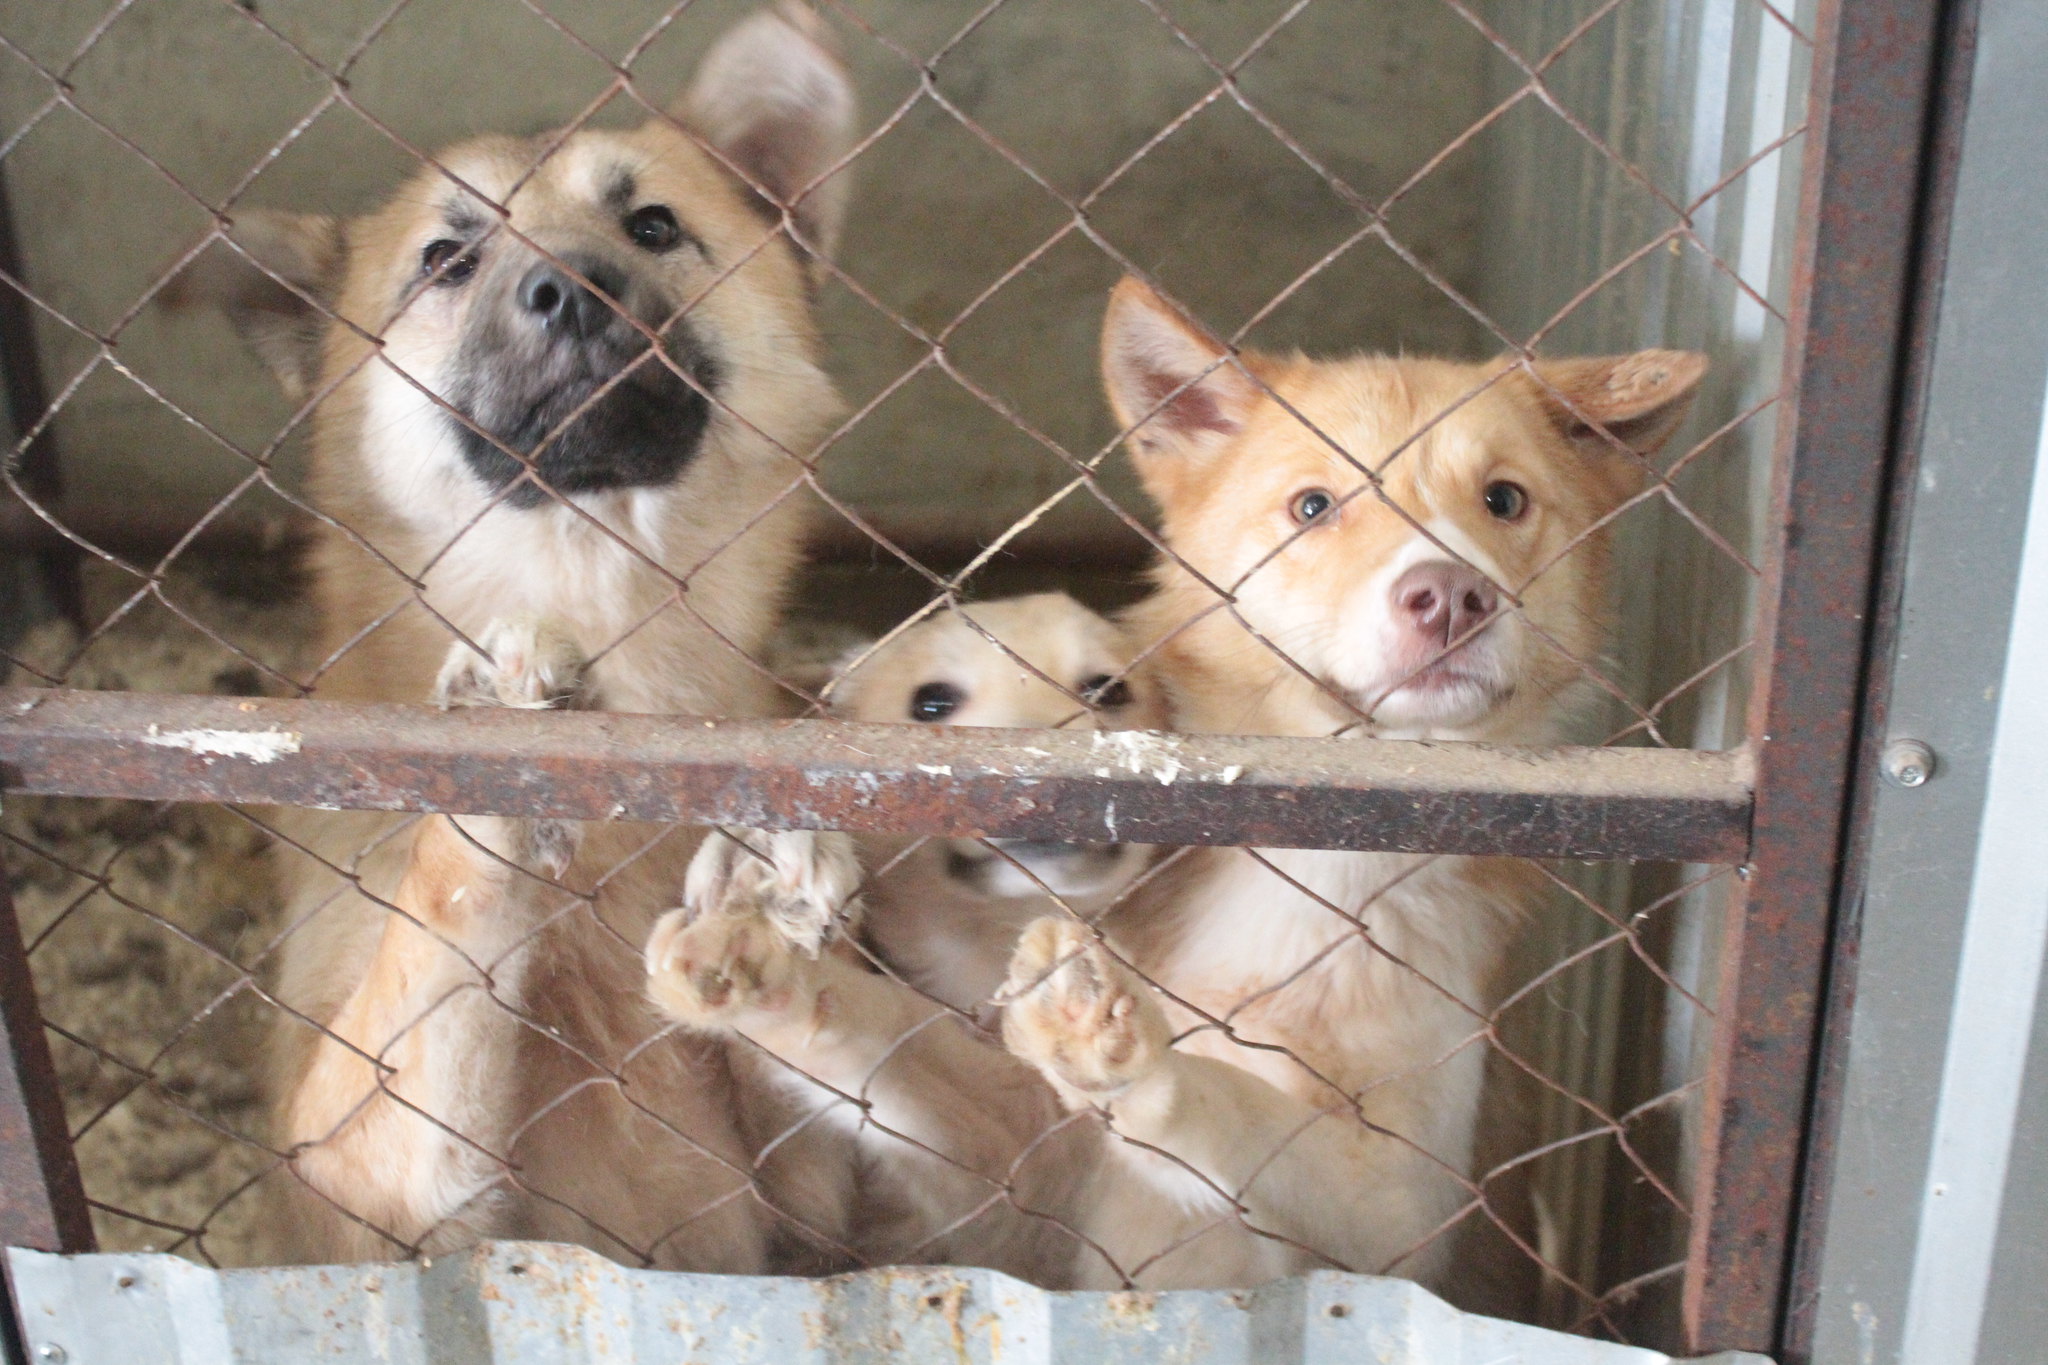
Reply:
x=1083, y=1018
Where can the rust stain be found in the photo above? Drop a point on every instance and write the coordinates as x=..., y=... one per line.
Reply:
x=949, y=1302
x=1134, y=1308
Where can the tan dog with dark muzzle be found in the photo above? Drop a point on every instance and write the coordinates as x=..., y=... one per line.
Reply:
x=559, y=385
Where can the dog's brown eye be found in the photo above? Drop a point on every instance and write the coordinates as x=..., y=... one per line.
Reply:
x=1313, y=503
x=447, y=262
x=935, y=701
x=654, y=228
x=1103, y=690
x=1506, y=501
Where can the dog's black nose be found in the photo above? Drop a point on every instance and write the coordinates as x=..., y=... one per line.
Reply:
x=561, y=304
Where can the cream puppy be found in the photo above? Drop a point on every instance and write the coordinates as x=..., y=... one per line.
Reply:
x=946, y=912
x=964, y=1155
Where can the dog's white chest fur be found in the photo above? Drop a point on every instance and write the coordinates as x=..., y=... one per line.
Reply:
x=1293, y=946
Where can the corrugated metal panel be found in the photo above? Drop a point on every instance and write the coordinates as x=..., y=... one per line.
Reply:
x=524, y=1303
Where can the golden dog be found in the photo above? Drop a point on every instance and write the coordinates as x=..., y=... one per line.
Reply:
x=1315, y=1049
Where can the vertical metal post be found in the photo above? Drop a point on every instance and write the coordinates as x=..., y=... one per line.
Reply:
x=42, y=1203
x=1958, y=45
x=1861, y=212
x=21, y=379
x=1904, y=1256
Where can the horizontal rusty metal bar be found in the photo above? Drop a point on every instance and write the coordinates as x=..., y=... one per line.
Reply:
x=1129, y=786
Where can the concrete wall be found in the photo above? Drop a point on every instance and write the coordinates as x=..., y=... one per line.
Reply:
x=1221, y=210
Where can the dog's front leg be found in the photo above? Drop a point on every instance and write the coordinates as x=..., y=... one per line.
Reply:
x=757, y=951
x=940, y=1115
x=406, y=1105
x=1314, y=1182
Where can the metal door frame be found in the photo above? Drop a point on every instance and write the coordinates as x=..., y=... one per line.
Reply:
x=1871, y=193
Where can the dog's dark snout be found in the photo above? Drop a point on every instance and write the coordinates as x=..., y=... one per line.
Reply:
x=1444, y=602
x=562, y=304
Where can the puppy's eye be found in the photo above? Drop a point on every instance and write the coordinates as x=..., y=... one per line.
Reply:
x=1311, y=504
x=654, y=228
x=935, y=701
x=1103, y=690
x=447, y=261
x=1506, y=501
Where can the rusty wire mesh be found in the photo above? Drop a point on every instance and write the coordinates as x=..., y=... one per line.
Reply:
x=156, y=931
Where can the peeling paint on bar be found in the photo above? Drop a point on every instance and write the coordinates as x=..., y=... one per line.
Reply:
x=1140, y=751
x=258, y=746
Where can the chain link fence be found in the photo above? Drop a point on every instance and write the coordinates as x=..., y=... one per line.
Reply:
x=1444, y=1013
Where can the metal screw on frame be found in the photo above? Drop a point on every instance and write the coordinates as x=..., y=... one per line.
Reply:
x=1907, y=763
x=50, y=1353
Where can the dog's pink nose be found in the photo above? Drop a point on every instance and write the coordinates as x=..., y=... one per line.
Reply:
x=1444, y=602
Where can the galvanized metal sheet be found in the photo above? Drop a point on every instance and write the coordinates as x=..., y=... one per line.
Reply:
x=528, y=1303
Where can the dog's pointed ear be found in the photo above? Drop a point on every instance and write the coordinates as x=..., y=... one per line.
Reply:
x=773, y=97
x=1638, y=400
x=308, y=252
x=1169, y=384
